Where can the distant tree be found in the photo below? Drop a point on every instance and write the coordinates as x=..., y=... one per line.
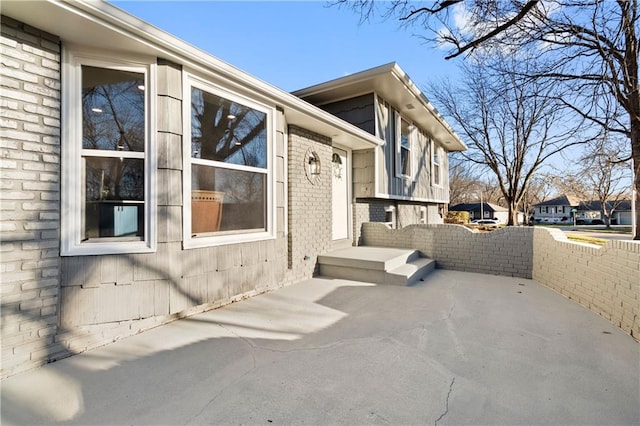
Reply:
x=538, y=190
x=599, y=177
x=589, y=47
x=463, y=180
x=511, y=127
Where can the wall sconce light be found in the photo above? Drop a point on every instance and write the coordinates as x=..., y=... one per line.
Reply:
x=314, y=164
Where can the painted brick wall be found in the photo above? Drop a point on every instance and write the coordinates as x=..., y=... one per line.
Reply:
x=605, y=279
x=365, y=211
x=373, y=210
x=30, y=192
x=506, y=251
x=309, y=203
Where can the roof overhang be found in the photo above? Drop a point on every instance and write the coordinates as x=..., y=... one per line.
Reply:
x=100, y=25
x=394, y=85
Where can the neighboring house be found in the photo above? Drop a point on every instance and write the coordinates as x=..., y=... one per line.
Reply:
x=489, y=210
x=592, y=210
x=555, y=210
x=144, y=180
x=405, y=179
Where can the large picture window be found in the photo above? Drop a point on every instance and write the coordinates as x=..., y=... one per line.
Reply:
x=107, y=186
x=228, y=198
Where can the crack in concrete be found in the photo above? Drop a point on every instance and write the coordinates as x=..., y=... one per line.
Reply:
x=232, y=382
x=446, y=410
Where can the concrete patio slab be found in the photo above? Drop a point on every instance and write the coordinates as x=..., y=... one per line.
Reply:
x=459, y=348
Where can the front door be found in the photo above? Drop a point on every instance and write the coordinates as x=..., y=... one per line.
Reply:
x=340, y=193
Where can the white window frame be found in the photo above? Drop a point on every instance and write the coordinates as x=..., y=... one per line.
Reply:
x=436, y=166
x=71, y=240
x=189, y=241
x=398, y=145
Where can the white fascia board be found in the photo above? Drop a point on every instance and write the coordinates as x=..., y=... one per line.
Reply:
x=98, y=20
x=387, y=71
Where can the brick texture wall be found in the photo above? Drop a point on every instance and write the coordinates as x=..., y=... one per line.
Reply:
x=310, y=231
x=605, y=279
x=30, y=191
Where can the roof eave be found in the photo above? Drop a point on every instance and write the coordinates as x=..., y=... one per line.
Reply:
x=388, y=81
x=88, y=23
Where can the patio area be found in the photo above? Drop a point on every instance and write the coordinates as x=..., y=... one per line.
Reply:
x=457, y=348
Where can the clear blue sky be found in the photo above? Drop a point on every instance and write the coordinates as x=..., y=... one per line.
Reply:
x=290, y=44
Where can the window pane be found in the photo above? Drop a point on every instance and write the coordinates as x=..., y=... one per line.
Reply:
x=112, y=109
x=436, y=166
x=226, y=131
x=114, y=197
x=227, y=200
x=404, y=161
x=404, y=134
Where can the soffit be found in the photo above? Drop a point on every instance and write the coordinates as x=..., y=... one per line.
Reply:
x=394, y=86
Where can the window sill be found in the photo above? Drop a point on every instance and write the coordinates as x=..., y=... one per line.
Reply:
x=224, y=240
x=96, y=248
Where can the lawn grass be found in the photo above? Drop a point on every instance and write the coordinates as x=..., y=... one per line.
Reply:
x=585, y=239
x=589, y=228
x=603, y=229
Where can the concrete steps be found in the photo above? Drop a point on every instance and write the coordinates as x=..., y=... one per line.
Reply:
x=378, y=265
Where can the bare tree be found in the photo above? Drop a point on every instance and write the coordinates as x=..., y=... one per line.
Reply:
x=590, y=47
x=511, y=126
x=463, y=180
x=601, y=177
x=537, y=191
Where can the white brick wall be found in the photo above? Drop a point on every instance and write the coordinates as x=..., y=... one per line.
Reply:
x=29, y=218
x=309, y=204
x=603, y=279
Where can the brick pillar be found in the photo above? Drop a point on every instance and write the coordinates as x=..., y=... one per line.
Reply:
x=309, y=203
x=30, y=194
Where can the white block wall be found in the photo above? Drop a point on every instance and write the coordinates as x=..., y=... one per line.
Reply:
x=605, y=279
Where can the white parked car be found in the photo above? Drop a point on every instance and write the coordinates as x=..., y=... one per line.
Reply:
x=485, y=222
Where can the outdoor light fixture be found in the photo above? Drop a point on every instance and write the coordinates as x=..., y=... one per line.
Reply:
x=314, y=164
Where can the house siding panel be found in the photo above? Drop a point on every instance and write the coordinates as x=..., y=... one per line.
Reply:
x=420, y=187
x=364, y=173
x=358, y=111
x=170, y=282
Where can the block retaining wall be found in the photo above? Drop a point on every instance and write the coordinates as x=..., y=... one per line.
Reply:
x=605, y=279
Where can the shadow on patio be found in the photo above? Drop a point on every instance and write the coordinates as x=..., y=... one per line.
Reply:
x=457, y=348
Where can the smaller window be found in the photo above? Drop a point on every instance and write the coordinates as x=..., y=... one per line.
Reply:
x=108, y=166
x=436, y=161
x=423, y=215
x=403, y=148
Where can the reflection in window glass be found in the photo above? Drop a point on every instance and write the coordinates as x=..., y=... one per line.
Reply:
x=234, y=200
x=405, y=149
x=229, y=172
x=113, y=142
x=226, y=131
x=114, y=197
x=112, y=109
x=436, y=166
